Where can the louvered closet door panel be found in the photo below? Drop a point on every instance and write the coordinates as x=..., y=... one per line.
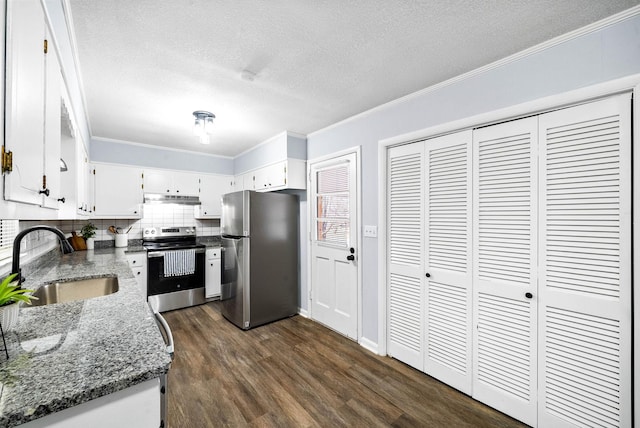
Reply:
x=405, y=261
x=448, y=236
x=585, y=265
x=504, y=251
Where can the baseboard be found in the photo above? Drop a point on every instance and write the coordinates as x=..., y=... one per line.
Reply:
x=303, y=312
x=369, y=345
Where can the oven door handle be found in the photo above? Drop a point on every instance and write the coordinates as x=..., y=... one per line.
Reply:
x=152, y=254
x=167, y=330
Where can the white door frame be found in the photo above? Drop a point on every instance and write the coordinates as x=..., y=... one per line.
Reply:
x=310, y=162
x=578, y=96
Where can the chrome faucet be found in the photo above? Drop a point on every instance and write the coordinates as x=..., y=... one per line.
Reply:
x=15, y=265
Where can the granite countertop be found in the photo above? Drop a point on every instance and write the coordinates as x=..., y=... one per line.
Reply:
x=65, y=354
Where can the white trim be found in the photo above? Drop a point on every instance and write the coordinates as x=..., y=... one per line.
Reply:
x=310, y=162
x=382, y=248
x=578, y=96
x=151, y=146
x=303, y=313
x=369, y=345
x=606, y=22
x=635, y=209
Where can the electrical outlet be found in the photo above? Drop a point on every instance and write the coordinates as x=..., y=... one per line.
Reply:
x=371, y=231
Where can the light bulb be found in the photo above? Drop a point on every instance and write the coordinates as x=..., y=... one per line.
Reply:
x=197, y=127
x=208, y=125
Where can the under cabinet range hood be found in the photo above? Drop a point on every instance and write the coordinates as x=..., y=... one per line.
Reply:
x=158, y=198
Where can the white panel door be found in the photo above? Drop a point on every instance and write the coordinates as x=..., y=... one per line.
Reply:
x=448, y=203
x=405, y=270
x=52, y=126
x=505, y=267
x=585, y=261
x=334, y=271
x=24, y=109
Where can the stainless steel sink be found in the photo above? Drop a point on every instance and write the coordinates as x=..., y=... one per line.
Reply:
x=60, y=292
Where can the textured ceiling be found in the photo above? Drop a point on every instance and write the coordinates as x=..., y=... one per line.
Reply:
x=148, y=64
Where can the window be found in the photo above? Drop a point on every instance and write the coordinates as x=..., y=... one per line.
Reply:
x=8, y=231
x=332, y=216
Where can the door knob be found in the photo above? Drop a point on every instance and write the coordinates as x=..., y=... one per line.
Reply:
x=428, y=275
x=351, y=257
x=528, y=295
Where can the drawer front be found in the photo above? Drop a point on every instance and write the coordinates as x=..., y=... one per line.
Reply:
x=137, y=259
x=213, y=253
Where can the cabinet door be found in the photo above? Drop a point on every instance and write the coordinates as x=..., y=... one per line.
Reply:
x=85, y=185
x=117, y=191
x=25, y=77
x=249, y=181
x=448, y=235
x=185, y=183
x=405, y=266
x=277, y=174
x=157, y=181
x=52, y=128
x=585, y=266
x=212, y=273
x=505, y=267
x=212, y=187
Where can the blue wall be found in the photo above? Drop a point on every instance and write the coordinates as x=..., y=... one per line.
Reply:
x=134, y=154
x=600, y=56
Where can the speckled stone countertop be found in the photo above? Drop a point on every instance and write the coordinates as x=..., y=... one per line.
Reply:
x=65, y=354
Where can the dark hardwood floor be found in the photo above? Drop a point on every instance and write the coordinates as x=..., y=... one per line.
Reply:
x=297, y=373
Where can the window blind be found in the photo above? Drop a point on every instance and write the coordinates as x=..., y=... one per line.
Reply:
x=8, y=231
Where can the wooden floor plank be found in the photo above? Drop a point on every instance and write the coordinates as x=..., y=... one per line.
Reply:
x=297, y=373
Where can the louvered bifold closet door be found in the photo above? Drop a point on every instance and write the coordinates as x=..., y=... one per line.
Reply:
x=405, y=284
x=585, y=265
x=504, y=258
x=448, y=339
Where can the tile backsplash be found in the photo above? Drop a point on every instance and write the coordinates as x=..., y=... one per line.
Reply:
x=39, y=242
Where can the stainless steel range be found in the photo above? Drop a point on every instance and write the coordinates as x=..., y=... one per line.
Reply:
x=175, y=267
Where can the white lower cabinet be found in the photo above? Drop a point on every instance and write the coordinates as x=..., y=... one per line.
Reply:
x=135, y=407
x=509, y=263
x=138, y=265
x=212, y=273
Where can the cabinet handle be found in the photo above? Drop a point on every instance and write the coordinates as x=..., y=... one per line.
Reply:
x=62, y=200
x=44, y=191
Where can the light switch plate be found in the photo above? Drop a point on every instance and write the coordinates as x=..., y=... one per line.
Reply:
x=371, y=231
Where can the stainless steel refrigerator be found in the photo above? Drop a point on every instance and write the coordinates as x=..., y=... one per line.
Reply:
x=259, y=257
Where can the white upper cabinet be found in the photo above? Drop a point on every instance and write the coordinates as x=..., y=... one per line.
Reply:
x=32, y=107
x=117, y=191
x=171, y=182
x=286, y=174
x=52, y=129
x=212, y=187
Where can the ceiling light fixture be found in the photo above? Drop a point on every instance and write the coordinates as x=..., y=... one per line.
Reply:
x=203, y=126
